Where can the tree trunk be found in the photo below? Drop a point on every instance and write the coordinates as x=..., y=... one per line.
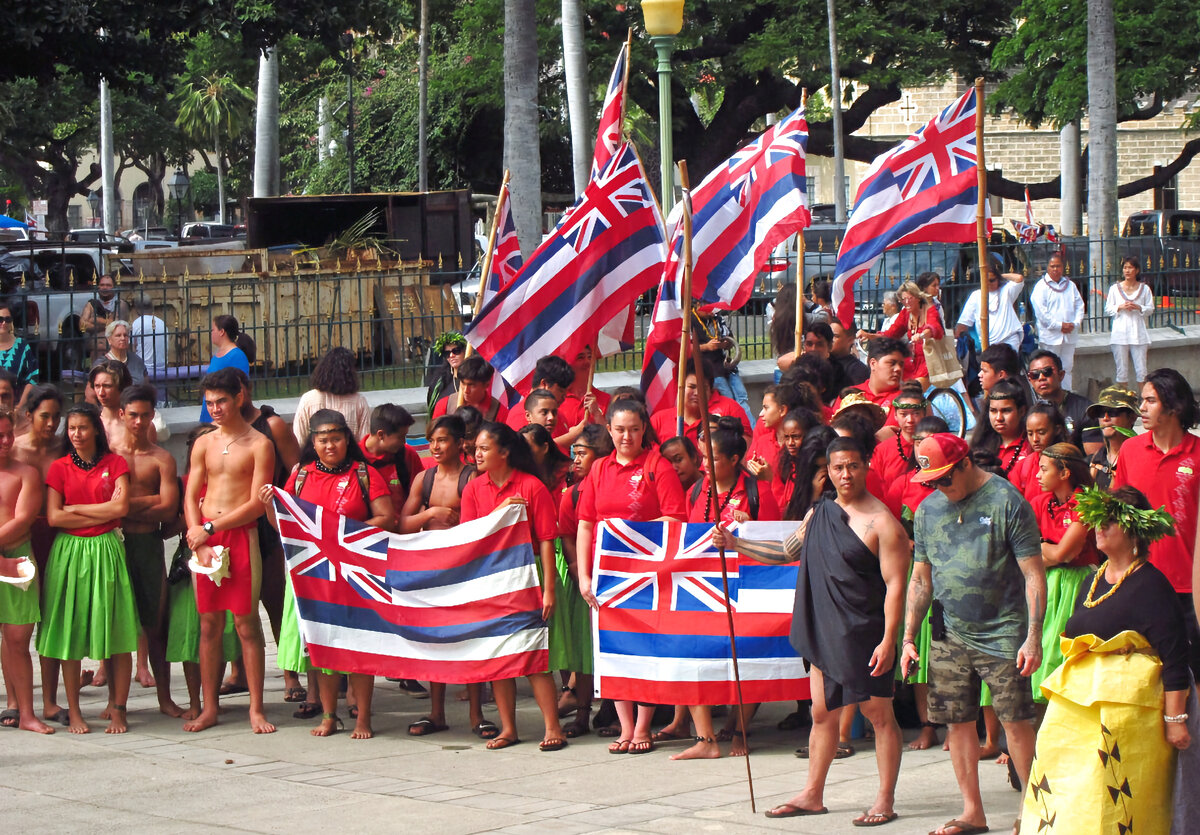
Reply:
x=220, y=175
x=423, y=101
x=575, y=67
x=266, y=126
x=1069, y=196
x=522, y=154
x=1102, y=147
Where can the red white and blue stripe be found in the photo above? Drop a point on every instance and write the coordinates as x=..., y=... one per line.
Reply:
x=925, y=189
x=660, y=360
x=606, y=251
x=506, y=257
x=459, y=606
x=612, y=115
x=661, y=633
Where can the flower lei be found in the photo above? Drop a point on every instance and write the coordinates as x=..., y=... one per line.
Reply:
x=1097, y=507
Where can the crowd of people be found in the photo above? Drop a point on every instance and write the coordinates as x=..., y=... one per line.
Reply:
x=1020, y=577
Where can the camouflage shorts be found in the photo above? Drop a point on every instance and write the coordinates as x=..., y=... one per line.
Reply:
x=955, y=673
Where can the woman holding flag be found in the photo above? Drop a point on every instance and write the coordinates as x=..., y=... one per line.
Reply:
x=637, y=483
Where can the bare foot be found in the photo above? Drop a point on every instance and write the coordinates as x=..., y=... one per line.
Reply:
x=118, y=725
x=86, y=678
x=191, y=713
x=328, y=727
x=259, y=723
x=78, y=726
x=362, y=729
x=946, y=744
x=738, y=745
x=99, y=678
x=107, y=712
x=36, y=725
x=989, y=751
x=704, y=749
x=1002, y=759
x=462, y=695
x=204, y=721
x=925, y=740
x=145, y=678
x=167, y=707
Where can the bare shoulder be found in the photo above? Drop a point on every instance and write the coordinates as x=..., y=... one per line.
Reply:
x=22, y=470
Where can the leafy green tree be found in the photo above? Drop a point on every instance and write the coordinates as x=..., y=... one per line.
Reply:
x=212, y=107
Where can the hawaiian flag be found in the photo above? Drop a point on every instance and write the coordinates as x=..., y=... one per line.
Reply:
x=461, y=605
x=660, y=361
x=612, y=115
x=661, y=633
x=1029, y=231
x=606, y=251
x=925, y=189
x=506, y=254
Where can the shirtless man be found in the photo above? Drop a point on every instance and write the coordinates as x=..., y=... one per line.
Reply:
x=20, y=499
x=228, y=469
x=847, y=617
x=153, y=500
x=38, y=448
x=433, y=503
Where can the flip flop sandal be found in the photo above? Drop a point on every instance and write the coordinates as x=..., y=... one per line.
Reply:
x=307, y=710
x=787, y=810
x=502, y=742
x=621, y=746
x=63, y=717
x=353, y=711
x=10, y=718
x=295, y=694
x=553, y=744
x=228, y=688
x=641, y=747
x=843, y=751
x=963, y=828
x=611, y=730
x=793, y=721
x=486, y=730
x=877, y=819
x=425, y=726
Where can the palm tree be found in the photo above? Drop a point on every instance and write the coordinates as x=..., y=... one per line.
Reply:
x=522, y=156
x=213, y=106
x=575, y=68
x=266, y=126
x=1102, y=139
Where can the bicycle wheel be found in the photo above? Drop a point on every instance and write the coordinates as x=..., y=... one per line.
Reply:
x=949, y=405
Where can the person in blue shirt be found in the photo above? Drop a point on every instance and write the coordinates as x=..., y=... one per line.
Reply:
x=225, y=353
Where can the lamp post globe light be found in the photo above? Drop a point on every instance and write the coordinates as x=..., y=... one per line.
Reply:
x=664, y=19
x=179, y=186
x=93, y=201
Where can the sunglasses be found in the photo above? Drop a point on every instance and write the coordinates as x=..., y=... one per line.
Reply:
x=944, y=481
x=455, y=349
x=1040, y=373
x=6, y=320
x=1108, y=413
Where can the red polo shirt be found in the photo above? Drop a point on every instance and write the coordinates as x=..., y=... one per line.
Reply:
x=768, y=508
x=642, y=490
x=1169, y=479
x=94, y=486
x=342, y=493
x=499, y=415
x=1024, y=476
x=1054, y=521
x=482, y=496
x=884, y=401
x=664, y=420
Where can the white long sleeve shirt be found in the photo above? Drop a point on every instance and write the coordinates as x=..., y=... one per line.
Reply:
x=1054, y=304
x=1129, y=326
x=1003, y=324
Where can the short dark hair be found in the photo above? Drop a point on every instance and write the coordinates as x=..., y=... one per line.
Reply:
x=925, y=281
x=113, y=368
x=7, y=376
x=228, y=323
x=554, y=371
x=820, y=288
x=628, y=393
x=821, y=330
x=390, y=419
x=536, y=396
x=596, y=436
x=1134, y=262
x=1002, y=357
x=703, y=368
x=815, y=370
x=472, y=419
x=886, y=346
x=139, y=394
x=1175, y=395
x=1042, y=354
x=843, y=444
x=475, y=369
x=40, y=394
x=336, y=372
x=453, y=424
x=223, y=379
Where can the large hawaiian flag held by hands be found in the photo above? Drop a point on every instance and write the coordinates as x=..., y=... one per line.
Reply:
x=661, y=632
x=606, y=251
x=926, y=189
x=461, y=605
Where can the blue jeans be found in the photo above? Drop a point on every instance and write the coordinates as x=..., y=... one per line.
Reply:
x=731, y=386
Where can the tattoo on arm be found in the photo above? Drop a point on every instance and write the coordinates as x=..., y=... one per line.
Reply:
x=920, y=595
x=764, y=551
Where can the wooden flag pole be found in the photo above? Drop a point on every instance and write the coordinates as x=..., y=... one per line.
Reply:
x=702, y=384
x=486, y=268
x=980, y=222
x=686, y=301
x=800, y=266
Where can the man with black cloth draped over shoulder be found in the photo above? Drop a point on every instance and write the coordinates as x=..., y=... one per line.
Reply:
x=849, y=605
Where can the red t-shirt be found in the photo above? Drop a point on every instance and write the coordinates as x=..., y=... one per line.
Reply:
x=1011, y=455
x=1053, y=522
x=664, y=420
x=768, y=509
x=884, y=401
x=385, y=465
x=764, y=444
x=341, y=493
x=570, y=410
x=912, y=495
x=94, y=486
x=1168, y=479
x=1024, y=475
x=568, y=518
x=500, y=415
x=482, y=496
x=647, y=488
x=890, y=462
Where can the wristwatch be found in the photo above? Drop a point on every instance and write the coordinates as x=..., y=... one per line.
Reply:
x=209, y=528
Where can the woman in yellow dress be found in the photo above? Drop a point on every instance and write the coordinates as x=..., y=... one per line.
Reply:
x=1106, y=749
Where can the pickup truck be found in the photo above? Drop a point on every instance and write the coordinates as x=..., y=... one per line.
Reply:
x=1168, y=244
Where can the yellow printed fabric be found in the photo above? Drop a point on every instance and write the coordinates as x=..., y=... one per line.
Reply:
x=1102, y=764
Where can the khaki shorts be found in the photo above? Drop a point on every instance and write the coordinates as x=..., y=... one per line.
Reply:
x=955, y=673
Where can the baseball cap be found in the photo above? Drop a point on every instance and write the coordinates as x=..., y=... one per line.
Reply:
x=1114, y=397
x=937, y=454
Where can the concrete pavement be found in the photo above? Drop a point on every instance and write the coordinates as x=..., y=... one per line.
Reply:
x=159, y=779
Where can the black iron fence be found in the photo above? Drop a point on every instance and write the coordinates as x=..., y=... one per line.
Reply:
x=389, y=318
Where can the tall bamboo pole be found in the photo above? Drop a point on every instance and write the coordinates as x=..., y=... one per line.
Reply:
x=486, y=267
x=686, y=301
x=800, y=262
x=980, y=217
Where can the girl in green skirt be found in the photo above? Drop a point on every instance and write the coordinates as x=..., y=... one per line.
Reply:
x=89, y=609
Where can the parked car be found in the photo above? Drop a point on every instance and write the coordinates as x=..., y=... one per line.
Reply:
x=206, y=229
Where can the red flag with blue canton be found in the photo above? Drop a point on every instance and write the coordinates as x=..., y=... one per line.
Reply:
x=925, y=189
x=460, y=606
x=661, y=632
x=606, y=251
x=660, y=360
x=506, y=255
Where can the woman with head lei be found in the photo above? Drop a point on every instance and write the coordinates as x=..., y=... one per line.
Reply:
x=449, y=350
x=334, y=474
x=1044, y=427
x=1118, y=704
x=1003, y=433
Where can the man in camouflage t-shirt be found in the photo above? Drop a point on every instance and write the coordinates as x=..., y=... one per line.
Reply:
x=978, y=552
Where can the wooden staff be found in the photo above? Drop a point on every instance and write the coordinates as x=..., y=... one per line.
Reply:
x=702, y=385
x=686, y=301
x=800, y=264
x=486, y=267
x=980, y=222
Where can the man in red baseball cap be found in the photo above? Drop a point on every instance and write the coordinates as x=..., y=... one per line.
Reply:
x=977, y=550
